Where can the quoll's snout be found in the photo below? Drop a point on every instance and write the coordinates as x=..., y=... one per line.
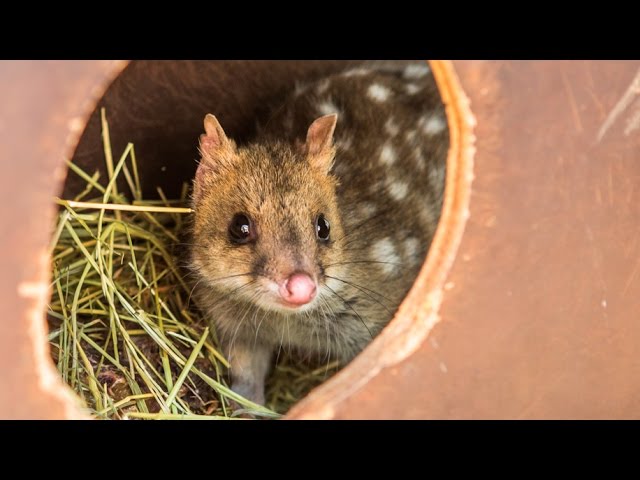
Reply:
x=298, y=289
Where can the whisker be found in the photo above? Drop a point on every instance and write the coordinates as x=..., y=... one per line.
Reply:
x=230, y=276
x=327, y=325
x=315, y=329
x=363, y=261
x=288, y=335
x=280, y=346
x=370, y=221
x=191, y=292
x=214, y=280
x=352, y=309
x=247, y=309
x=234, y=291
x=365, y=292
x=264, y=315
x=361, y=288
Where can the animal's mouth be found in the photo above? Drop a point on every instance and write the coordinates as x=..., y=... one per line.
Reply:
x=291, y=306
x=278, y=304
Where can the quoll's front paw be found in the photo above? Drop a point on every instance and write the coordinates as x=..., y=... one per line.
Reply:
x=249, y=367
x=253, y=393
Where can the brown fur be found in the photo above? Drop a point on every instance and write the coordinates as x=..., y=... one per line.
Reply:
x=381, y=190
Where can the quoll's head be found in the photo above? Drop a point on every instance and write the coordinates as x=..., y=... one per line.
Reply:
x=266, y=220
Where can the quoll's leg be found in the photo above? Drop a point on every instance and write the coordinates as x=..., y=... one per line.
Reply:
x=250, y=364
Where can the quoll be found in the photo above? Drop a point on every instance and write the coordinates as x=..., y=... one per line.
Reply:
x=309, y=237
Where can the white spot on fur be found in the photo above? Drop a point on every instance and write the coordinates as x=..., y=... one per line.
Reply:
x=419, y=157
x=432, y=124
x=412, y=249
x=426, y=216
x=368, y=209
x=411, y=136
x=355, y=72
x=376, y=187
x=384, y=251
x=416, y=71
x=397, y=188
x=391, y=127
x=344, y=143
x=299, y=89
x=388, y=154
x=436, y=177
x=435, y=125
x=412, y=88
x=322, y=86
x=378, y=92
x=327, y=107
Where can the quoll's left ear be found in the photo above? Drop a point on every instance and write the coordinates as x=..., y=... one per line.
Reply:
x=319, y=145
x=215, y=140
x=216, y=148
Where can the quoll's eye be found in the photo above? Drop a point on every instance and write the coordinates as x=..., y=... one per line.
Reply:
x=240, y=229
x=322, y=228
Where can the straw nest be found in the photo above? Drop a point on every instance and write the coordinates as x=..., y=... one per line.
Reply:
x=124, y=333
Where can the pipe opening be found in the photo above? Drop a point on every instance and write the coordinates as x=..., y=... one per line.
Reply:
x=128, y=320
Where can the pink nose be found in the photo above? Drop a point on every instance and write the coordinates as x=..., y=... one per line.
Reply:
x=298, y=289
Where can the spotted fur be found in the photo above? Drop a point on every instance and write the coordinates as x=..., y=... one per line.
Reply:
x=381, y=189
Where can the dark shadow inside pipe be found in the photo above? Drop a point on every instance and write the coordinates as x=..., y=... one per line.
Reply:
x=159, y=106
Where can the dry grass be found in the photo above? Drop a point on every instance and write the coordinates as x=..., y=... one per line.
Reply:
x=123, y=331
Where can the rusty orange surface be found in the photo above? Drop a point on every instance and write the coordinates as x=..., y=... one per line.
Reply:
x=539, y=314
x=45, y=105
x=527, y=304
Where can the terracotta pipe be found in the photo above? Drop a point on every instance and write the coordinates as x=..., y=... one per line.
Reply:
x=526, y=306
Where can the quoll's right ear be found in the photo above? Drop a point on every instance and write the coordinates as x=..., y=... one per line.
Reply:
x=215, y=147
x=319, y=145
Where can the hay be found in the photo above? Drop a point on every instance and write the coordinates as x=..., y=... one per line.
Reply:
x=124, y=334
